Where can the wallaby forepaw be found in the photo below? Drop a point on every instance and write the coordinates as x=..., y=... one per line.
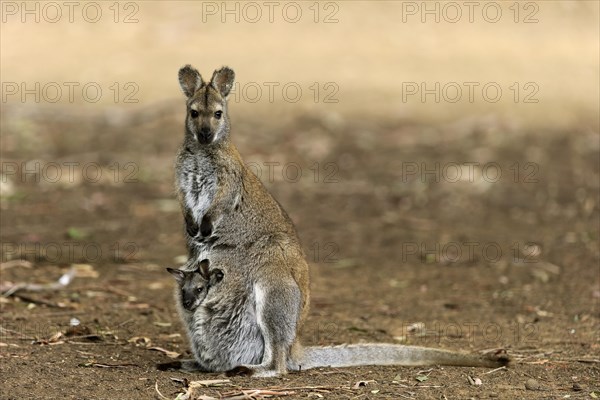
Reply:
x=240, y=371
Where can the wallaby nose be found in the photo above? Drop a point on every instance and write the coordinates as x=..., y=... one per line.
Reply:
x=204, y=134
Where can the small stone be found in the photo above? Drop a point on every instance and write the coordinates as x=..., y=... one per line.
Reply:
x=532, y=384
x=493, y=395
x=474, y=381
x=577, y=387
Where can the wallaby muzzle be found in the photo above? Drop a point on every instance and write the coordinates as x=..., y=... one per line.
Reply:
x=189, y=303
x=205, y=136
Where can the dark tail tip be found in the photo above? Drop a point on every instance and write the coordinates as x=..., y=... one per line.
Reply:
x=499, y=358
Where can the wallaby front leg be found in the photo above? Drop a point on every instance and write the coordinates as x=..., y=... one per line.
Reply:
x=277, y=311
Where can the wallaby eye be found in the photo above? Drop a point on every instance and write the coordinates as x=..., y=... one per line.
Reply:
x=199, y=290
x=218, y=114
x=219, y=275
x=194, y=113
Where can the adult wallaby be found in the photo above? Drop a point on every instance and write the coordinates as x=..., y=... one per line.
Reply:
x=214, y=185
x=250, y=323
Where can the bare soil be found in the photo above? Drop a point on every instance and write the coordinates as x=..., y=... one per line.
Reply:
x=401, y=251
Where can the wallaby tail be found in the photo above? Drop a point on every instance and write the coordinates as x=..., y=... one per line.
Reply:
x=392, y=354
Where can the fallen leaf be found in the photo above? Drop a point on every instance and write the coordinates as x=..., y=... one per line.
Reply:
x=53, y=340
x=360, y=384
x=170, y=336
x=168, y=353
x=421, y=378
x=85, y=271
x=209, y=382
x=143, y=340
x=417, y=329
x=100, y=365
x=158, y=391
x=184, y=381
x=56, y=337
x=77, y=330
x=192, y=391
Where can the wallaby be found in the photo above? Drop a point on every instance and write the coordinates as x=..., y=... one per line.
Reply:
x=226, y=335
x=250, y=324
x=193, y=285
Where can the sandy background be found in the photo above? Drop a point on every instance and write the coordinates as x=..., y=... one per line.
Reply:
x=370, y=51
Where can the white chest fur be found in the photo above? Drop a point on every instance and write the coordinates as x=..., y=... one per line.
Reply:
x=198, y=184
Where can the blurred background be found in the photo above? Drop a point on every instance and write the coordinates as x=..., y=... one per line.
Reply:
x=444, y=152
x=370, y=50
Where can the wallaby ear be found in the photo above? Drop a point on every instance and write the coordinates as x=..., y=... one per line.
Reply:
x=222, y=80
x=179, y=275
x=203, y=269
x=190, y=80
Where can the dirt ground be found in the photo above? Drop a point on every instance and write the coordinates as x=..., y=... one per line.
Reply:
x=401, y=250
x=469, y=225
